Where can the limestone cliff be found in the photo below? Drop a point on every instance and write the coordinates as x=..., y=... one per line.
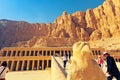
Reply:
x=104, y=19
x=12, y=32
x=99, y=23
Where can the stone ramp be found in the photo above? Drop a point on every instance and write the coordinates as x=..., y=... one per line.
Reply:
x=29, y=75
x=61, y=63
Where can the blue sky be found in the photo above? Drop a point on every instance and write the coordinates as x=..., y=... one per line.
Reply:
x=43, y=11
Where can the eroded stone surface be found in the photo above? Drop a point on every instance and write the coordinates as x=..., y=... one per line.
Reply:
x=83, y=67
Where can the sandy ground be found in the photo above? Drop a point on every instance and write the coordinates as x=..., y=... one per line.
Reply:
x=29, y=75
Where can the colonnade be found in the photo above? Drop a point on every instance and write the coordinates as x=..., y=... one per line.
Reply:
x=23, y=65
x=97, y=52
x=22, y=59
x=11, y=52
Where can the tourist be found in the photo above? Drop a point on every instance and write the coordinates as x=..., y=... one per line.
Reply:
x=112, y=70
x=3, y=70
x=39, y=67
x=35, y=68
x=64, y=58
x=100, y=61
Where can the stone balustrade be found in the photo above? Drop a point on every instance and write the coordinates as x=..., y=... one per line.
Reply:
x=57, y=71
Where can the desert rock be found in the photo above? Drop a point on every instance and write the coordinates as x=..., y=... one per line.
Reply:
x=102, y=22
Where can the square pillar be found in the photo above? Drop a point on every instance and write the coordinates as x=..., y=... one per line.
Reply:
x=22, y=68
x=17, y=65
x=33, y=65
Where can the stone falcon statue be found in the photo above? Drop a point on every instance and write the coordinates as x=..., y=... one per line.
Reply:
x=83, y=67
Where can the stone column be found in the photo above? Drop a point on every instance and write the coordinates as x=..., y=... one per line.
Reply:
x=46, y=52
x=28, y=62
x=37, y=64
x=25, y=53
x=20, y=54
x=16, y=53
x=37, y=53
x=50, y=53
x=53, y=52
x=71, y=52
x=33, y=65
x=33, y=53
x=41, y=52
x=60, y=53
x=12, y=65
x=64, y=52
x=22, y=67
x=17, y=65
x=46, y=63
x=68, y=57
x=30, y=53
x=42, y=65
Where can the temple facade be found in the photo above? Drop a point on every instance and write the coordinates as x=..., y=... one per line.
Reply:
x=25, y=59
x=22, y=59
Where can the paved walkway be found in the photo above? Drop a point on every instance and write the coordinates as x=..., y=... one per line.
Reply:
x=30, y=75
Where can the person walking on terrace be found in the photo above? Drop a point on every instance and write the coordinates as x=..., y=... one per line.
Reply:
x=100, y=61
x=3, y=70
x=112, y=70
x=64, y=58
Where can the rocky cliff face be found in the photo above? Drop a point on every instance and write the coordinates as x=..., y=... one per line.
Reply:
x=94, y=24
x=12, y=32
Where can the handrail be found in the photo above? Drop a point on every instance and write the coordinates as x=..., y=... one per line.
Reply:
x=57, y=71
